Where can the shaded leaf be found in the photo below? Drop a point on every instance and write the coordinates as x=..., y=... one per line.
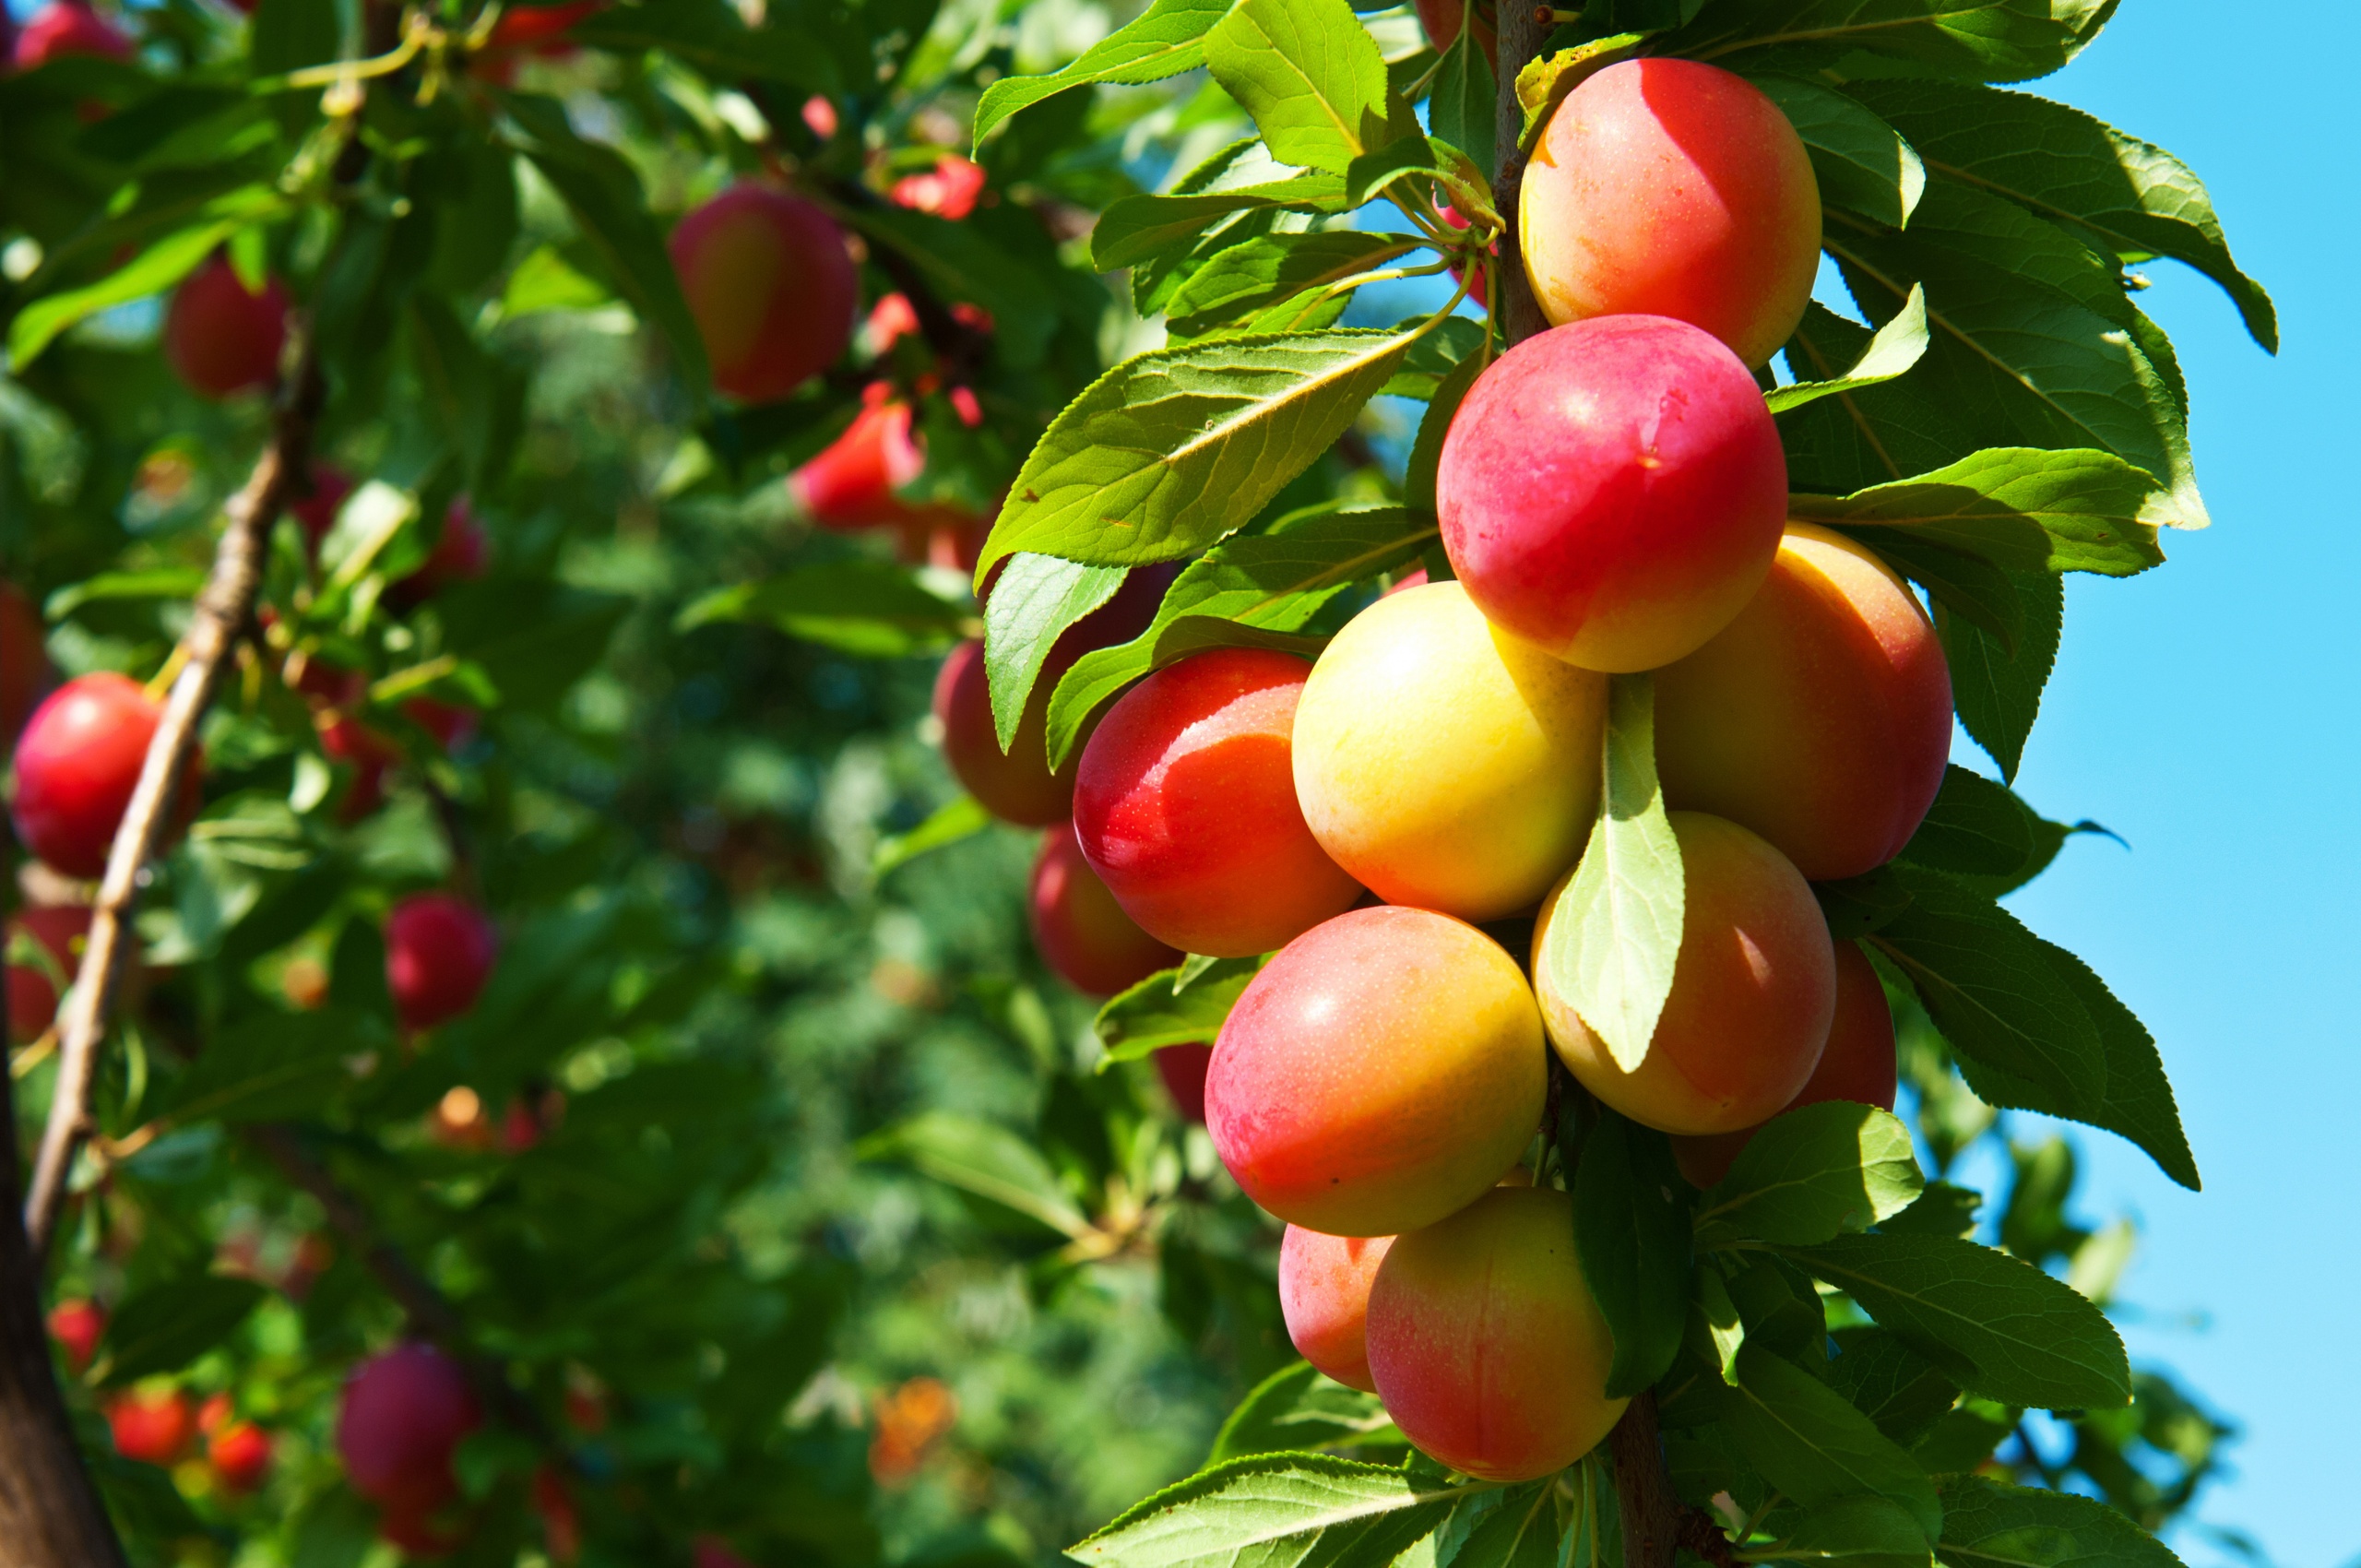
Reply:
x=1161, y=1011
x=1459, y=103
x=1990, y=1524
x=1296, y=1409
x=867, y=608
x=961, y=818
x=2022, y=508
x=984, y=1159
x=171, y=1324
x=1811, y=1172
x=1980, y=39
x=1809, y=1442
x=1861, y=161
x=1135, y=227
x=1895, y=347
x=1998, y=689
x=1259, y=273
x=709, y=36
x=1163, y=40
x=1276, y=1510
x=1632, y=1234
x=1901, y=1391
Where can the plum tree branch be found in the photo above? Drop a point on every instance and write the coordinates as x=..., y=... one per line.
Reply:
x=222, y=609
x=1520, y=41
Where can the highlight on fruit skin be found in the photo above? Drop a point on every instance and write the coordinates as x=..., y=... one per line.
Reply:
x=1444, y=763
x=1754, y=992
x=1663, y=186
x=1613, y=490
x=772, y=288
x=1323, y=1298
x=1484, y=1342
x=1382, y=1071
x=1185, y=805
x=1821, y=718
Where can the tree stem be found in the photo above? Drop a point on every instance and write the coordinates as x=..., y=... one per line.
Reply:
x=1644, y=1486
x=1512, y=302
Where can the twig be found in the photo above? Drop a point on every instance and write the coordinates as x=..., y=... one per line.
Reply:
x=1512, y=301
x=222, y=609
x=1644, y=1486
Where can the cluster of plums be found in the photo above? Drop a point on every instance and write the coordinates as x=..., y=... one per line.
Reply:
x=1397, y=820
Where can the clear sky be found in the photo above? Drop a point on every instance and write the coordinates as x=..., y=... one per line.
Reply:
x=2209, y=712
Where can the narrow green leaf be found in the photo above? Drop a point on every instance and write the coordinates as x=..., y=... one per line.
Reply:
x=1257, y=274
x=1989, y=989
x=1134, y=229
x=1459, y=103
x=1036, y=598
x=2131, y=197
x=1274, y=582
x=1614, y=936
x=869, y=608
x=1310, y=74
x=983, y=1159
x=1979, y=40
x=2022, y=508
x=1813, y=1173
x=1277, y=1511
x=155, y=270
x=1990, y=1524
x=1425, y=451
x=1995, y=1324
x=1159, y=1010
x=1898, y=345
x=1632, y=1234
x=1861, y=161
x=1175, y=448
x=1163, y=40
x=156, y=582
x=170, y=1323
x=963, y=817
x=1296, y=1409
x=1809, y=1442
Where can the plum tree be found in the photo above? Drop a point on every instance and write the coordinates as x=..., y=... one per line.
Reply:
x=1486, y=1343
x=1753, y=990
x=439, y=953
x=1082, y=933
x=59, y=929
x=1378, y=1072
x=1613, y=490
x=1185, y=805
x=403, y=1414
x=1444, y=763
x=1324, y=1298
x=1669, y=187
x=771, y=285
x=77, y=762
x=1857, y=1064
x=221, y=337
x=1820, y=717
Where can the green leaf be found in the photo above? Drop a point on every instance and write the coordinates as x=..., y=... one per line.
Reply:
x=1632, y=1234
x=271, y=1066
x=1310, y=74
x=962, y=264
x=961, y=818
x=984, y=1159
x=1135, y=227
x=1997, y=689
x=1858, y=1532
x=1296, y=1409
x=1941, y=1210
x=170, y=1323
x=1035, y=599
x=156, y=582
x=1979, y=40
x=1995, y=1324
x=2129, y=197
x=1898, y=345
x=2022, y=508
x=1990, y=1524
x=1859, y=905
x=1459, y=103
x=1901, y=1391
x=1277, y=1511
x=1162, y=1011
x=1174, y=448
x=1426, y=452
x=867, y=608
x=1963, y=1438
x=1163, y=40
x=544, y=281
x=1259, y=273
x=1854, y=439
x=1975, y=828
x=1521, y=1532
x=709, y=37
x=1809, y=1442
x=1992, y=993
x=1274, y=582
x=1544, y=81
x=1861, y=162
x=154, y=270
x=1614, y=936
x=1813, y=1173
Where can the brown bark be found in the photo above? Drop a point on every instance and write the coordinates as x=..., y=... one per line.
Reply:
x=1521, y=35
x=1643, y=1487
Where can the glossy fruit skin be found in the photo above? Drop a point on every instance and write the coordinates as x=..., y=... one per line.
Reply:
x=403, y=1414
x=1184, y=1069
x=77, y=762
x=61, y=929
x=1821, y=718
x=1664, y=186
x=76, y=1323
x=219, y=338
x=1380, y=1072
x=439, y=953
x=152, y=1428
x=1016, y=785
x=1857, y=1064
x=1082, y=933
x=1613, y=490
x=1484, y=1342
x=773, y=291
x=1444, y=763
x=1185, y=805
x=24, y=657
x=1754, y=992
x=1324, y=1296
x=67, y=26
x=1442, y=21
x=240, y=1455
